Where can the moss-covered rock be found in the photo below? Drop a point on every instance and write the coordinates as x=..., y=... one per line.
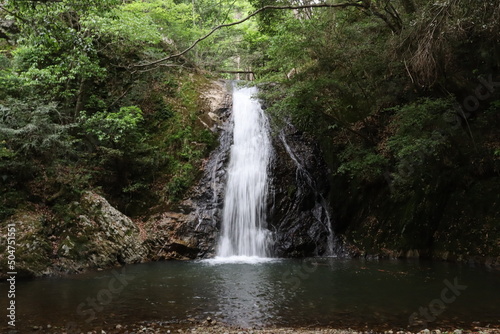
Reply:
x=102, y=235
x=93, y=234
x=32, y=248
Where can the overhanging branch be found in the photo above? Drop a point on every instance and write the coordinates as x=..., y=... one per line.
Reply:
x=2, y=7
x=321, y=5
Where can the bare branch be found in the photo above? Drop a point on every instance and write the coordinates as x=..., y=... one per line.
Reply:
x=152, y=69
x=321, y=5
x=235, y=72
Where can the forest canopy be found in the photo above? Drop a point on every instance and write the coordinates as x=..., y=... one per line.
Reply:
x=402, y=96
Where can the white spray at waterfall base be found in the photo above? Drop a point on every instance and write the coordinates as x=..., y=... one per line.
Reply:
x=244, y=232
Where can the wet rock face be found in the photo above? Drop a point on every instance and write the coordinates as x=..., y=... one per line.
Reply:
x=299, y=216
x=208, y=197
x=192, y=230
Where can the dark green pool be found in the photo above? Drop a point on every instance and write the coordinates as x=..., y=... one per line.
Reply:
x=321, y=292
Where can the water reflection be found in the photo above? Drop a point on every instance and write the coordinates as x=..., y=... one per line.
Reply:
x=250, y=294
x=338, y=292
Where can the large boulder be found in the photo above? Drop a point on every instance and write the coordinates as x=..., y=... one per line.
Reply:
x=32, y=249
x=92, y=234
x=101, y=235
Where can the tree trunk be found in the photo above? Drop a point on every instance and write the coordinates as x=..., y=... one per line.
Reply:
x=80, y=100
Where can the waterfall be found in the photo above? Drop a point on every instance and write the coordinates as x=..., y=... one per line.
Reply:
x=244, y=230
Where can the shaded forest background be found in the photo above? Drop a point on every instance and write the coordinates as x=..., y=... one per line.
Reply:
x=402, y=97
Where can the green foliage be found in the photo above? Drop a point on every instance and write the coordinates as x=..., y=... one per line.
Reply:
x=9, y=81
x=418, y=123
x=114, y=127
x=93, y=120
x=32, y=129
x=186, y=142
x=33, y=140
x=339, y=73
x=54, y=53
x=335, y=69
x=362, y=164
x=268, y=20
x=420, y=141
x=448, y=41
x=227, y=49
x=180, y=181
x=127, y=23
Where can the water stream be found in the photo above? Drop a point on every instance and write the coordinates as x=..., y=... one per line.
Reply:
x=244, y=230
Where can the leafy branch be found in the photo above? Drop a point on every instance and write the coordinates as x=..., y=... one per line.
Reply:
x=359, y=4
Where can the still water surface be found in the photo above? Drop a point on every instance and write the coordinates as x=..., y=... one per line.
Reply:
x=335, y=292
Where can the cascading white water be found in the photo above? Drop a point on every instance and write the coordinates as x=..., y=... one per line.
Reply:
x=244, y=230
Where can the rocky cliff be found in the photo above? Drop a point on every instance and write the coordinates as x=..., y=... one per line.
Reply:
x=298, y=217
x=191, y=229
x=93, y=234
x=299, y=213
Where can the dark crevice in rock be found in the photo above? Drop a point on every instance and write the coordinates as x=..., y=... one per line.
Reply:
x=299, y=214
